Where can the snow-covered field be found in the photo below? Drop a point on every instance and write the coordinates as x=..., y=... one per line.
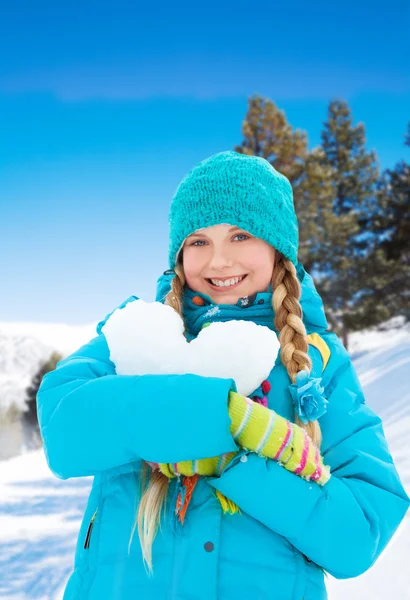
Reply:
x=40, y=514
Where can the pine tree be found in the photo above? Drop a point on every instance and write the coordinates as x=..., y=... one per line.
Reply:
x=397, y=214
x=354, y=178
x=29, y=419
x=313, y=204
x=390, y=223
x=268, y=134
x=335, y=194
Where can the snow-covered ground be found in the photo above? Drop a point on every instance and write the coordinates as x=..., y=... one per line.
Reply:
x=382, y=361
x=40, y=517
x=40, y=514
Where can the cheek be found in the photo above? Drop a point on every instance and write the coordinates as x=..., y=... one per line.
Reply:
x=193, y=264
x=260, y=261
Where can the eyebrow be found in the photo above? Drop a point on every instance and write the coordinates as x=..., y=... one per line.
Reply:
x=200, y=233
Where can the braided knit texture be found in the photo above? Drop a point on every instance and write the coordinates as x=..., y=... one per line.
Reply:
x=246, y=191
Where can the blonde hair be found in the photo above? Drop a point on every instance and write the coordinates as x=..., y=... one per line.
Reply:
x=293, y=354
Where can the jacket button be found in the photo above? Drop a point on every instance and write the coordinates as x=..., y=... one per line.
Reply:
x=209, y=546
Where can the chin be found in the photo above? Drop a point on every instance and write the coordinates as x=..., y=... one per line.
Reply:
x=227, y=298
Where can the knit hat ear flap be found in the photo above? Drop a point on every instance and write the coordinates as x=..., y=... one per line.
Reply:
x=246, y=191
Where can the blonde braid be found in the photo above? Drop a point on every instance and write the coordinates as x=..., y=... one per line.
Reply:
x=292, y=332
x=175, y=295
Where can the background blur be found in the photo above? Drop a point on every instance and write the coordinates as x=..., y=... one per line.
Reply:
x=105, y=107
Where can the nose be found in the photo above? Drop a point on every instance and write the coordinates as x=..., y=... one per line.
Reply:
x=220, y=260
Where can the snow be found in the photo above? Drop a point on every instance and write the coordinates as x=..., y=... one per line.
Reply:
x=24, y=346
x=40, y=515
x=158, y=346
x=382, y=361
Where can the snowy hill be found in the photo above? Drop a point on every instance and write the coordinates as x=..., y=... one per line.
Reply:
x=23, y=346
x=40, y=515
x=382, y=361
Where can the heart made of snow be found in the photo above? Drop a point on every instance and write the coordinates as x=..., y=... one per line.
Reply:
x=148, y=338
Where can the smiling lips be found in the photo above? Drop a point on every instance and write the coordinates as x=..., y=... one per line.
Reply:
x=226, y=282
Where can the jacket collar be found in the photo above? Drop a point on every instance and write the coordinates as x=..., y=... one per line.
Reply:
x=199, y=309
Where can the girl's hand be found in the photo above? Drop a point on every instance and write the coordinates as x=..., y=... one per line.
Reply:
x=205, y=466
x=265, y=432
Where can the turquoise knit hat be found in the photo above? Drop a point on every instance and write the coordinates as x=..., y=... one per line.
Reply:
x=246, y=191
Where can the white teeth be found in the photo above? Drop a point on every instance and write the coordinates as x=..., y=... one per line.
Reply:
x=227, y=282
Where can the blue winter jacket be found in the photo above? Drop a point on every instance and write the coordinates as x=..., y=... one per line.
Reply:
x=289, y=531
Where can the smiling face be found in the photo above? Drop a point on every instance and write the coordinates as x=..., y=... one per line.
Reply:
x=223, y=253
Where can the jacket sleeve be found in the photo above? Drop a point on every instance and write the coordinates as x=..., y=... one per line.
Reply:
x=344, y=525
x=92, y=419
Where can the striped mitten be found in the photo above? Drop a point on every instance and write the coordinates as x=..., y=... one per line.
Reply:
x=204, y=466
x=265, y=432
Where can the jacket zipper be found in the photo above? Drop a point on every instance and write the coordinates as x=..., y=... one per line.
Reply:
x=89, y=530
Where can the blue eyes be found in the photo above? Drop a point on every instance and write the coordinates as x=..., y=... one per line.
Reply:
x=237, y=235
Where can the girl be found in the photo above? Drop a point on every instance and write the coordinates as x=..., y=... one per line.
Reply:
x=233, y=497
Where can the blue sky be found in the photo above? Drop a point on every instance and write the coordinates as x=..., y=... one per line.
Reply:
x=105, y=106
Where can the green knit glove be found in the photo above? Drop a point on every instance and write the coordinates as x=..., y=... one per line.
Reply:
x=203, y=466
x=265, y=432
